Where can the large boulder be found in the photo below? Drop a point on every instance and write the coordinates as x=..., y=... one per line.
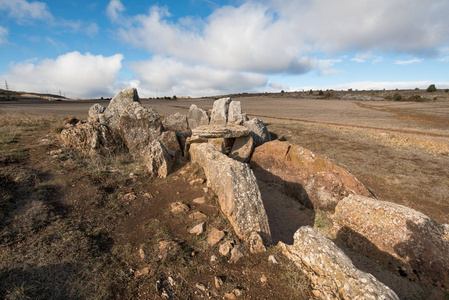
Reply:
x=331, y=272
x=158, y=160
x=220, y=112
x=177, y=123
x=235, y=114
x=90, y=138
x=404, y=239
x=258, y=131
x=139, y=127
x=236, y=188
x=197, y=117
x=118, y=105
x=96, y=114
x=303, y=175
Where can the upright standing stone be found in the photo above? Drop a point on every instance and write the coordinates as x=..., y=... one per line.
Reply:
x=258, y=131
x=235, y=114
x=139, y=127
x=96, y=114
x=118, y=105
x=197, y=117
x=220, y=112
x=158, y=160
x=177, y=123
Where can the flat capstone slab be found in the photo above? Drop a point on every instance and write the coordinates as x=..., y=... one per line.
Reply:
x=217, y=131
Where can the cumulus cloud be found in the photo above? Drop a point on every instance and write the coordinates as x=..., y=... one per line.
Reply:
x=25, y=11
x=166, y=77
x=75, y=74
x=114, y=9
x=3, y=35
x=408, y=62
x=279, y=36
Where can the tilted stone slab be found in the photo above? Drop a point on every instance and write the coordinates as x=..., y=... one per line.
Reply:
x=237, y=190
x=331, y=272
x=197, y=117
x=216, y=131
x=407, y=241
x=310, y=178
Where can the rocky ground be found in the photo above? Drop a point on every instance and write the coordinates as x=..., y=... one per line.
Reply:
x=111, y=231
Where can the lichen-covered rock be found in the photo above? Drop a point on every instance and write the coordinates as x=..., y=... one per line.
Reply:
x=157, y=159
x=331, y=272
x=118, y=105
x=259, y=132
x=242, y=149
x=96, y=114
x=236, y=187
x=197, y=117
x=90, y=138
x=170, y=141
x=220, y=112
x=139, y=127
x=309, y=178
x=177, y=123
x=404, y=239
x=235, y=114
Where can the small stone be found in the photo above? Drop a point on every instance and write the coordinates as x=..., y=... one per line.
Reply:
x=263, y=279
x=215, y=236
x=197, y=181
x=272, y=259
x=225, y=247
x=167, y=248
x=197, y=216
x=142, y=272
x=213, y=258
x=218, y=282
x=237, y=292
x=256, y=243
x=201, y=287
x=200, y=200
x=197, y=229
x=148, y=195
x=206, y=190
x=141, y=253
x=129, y=197
x=230, y=296
x=179, y=207
x=171, y=281
x=236, y=254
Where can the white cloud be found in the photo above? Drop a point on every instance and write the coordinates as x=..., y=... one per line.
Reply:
x=25, y=11
x=114, y=10
x=443, y=59
x=166, y=77
x=75, y=74
x=282, y=36
x=92, y=30
x=408, y=62
x=3, y=35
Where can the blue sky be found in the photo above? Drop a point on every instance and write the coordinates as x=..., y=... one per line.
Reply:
x=91, y=49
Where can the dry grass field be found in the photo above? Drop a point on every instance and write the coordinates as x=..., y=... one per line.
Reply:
x=73, y=227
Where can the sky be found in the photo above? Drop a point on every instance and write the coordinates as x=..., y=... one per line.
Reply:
x=90, y=49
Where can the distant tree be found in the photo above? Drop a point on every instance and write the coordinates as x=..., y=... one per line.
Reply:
x=431, y=88
x=349, y=90
x=174, y=97
x=321, y=93
x=310, y=92
x=446, y=90
x=416, y=89
x=397, y=97
x=282, y=91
